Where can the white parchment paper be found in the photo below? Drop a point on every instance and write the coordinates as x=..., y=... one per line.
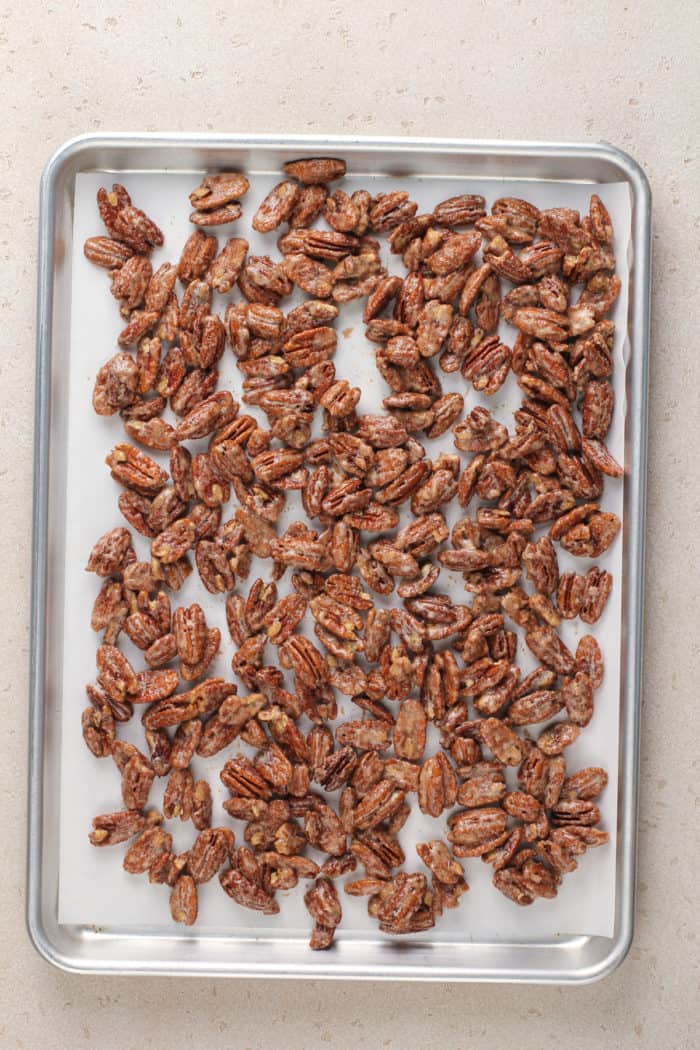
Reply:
x=93, y=888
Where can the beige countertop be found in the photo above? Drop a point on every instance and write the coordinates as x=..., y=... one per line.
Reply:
x=625, y=73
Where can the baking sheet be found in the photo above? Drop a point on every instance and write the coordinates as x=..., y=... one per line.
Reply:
x=93, y=889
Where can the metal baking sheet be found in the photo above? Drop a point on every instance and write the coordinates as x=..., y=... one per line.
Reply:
x=529, y=947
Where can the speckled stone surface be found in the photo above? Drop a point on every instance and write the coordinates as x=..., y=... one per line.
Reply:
x=625, y=73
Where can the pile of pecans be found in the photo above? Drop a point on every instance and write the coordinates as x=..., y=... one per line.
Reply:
x=363, y=565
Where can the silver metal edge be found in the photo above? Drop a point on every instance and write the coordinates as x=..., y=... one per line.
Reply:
x=633, y=587
x=633, y=584
x=35, y=772
x=35, y=776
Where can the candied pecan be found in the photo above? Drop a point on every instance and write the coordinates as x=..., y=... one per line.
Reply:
x=595, y=591
x=505, y=744
x=575, y=811
x=116, y=385
x=437, y=490
x=590, y=659
x=546, y=325
x=171, y=372
x=477, y=831
x=213, y=566
x=598, y=456
x=522, y=806
x=436, y=856
x=455, y=251
x=445, y=287
x=600, y=293
x=378, y=851
x=153, y=433
x=309, y=274
x=563, y=226
x=167, y=868
x=597, y=408
x=320, y=244
x=155, y=685
x=203, y=699
x=479, y=432
x=183, y=747
x=540, y=561
x=483, y=785
x=197, y=254
x=177, y=801
x=107, y=557
x=386, y=290
x=535, y=707
x=503, y=261
x=323, y=905
x=335, y=867
x=109, y=829
x=336, y=617
x=375, y=575
x=191, y=671
x=368, y=772
x=437, y=785
x=410, y=731
x=299, y=655
x=600, y=221
x=136, y=470
x=309, y=205
x=367, y=735
x=217, y=216
x=183, y=901
x=125, y=222
x=115, y=673
x=591, y=539
x=242, y=778
x=161, y=651
x=99, y=732
x=337, y=768
x=274, y=766
x=109, y=610
x=264, y=281
x=190, y=631
x=217, y=190
x=315, y=170
x=195, y=305
x=246, y=893
x=511, y=218
x=463, y=210
x=586, y=784
x=226, y=268
x=512, y=884
x=577, y=694
x=390, y=209
x=276, y=207
x=349, y=215
x=207, y=415
x=378, y=804
x=106, y=252
x=303, y=549
x=324, y=830
x=147, y=848
x=404, y=900
x=174, y=541
x=548, y=647
x=558, y=736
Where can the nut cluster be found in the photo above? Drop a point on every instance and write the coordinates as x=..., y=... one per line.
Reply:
x=361, y=569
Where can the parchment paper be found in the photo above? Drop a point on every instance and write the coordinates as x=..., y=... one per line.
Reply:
x=93, y=888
